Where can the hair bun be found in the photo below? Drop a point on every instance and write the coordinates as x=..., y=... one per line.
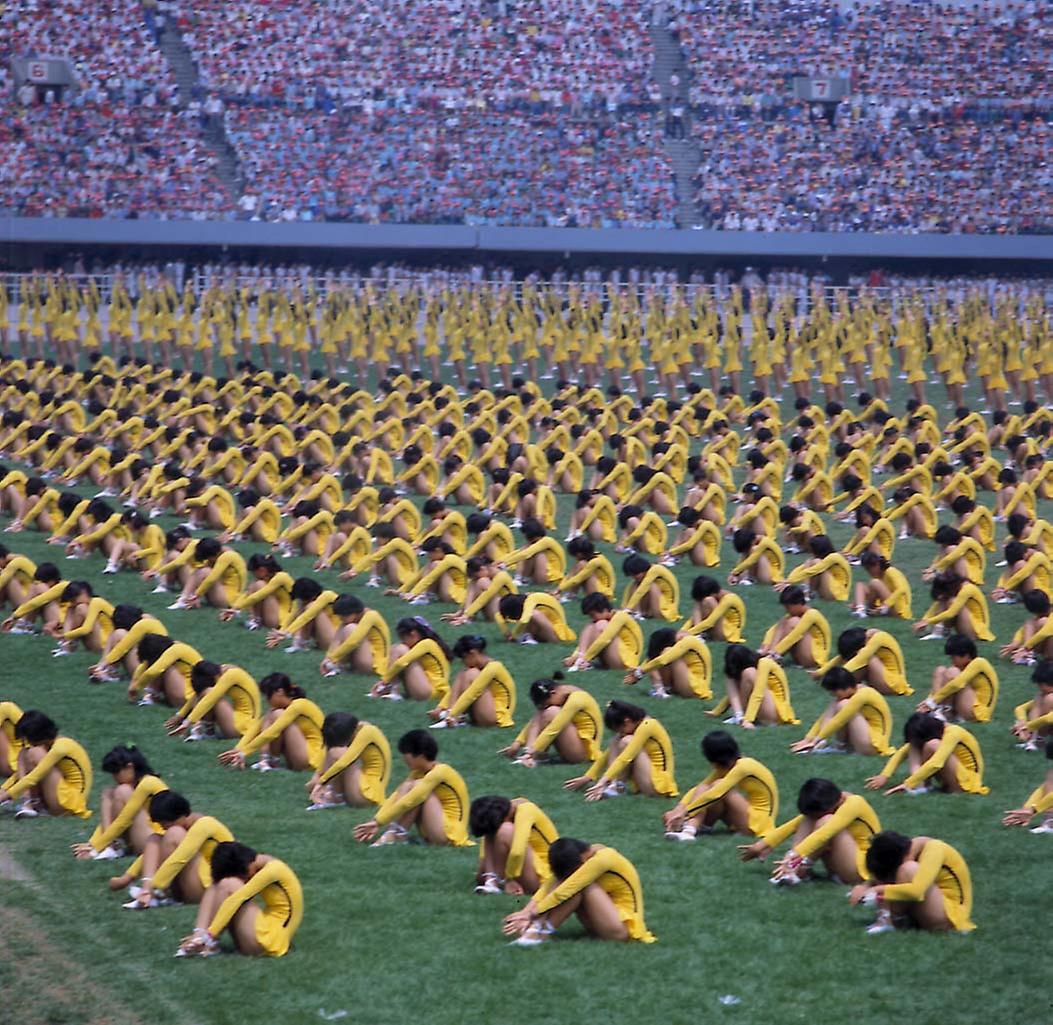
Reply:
x=557, y=676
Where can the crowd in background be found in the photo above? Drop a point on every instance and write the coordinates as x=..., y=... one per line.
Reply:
x=540, y=113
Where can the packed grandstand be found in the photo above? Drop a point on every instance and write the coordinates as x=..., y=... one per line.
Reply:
x=537, y=113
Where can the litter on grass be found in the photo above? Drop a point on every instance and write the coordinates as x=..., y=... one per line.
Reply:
x=730, y=1000
x=331, y=1015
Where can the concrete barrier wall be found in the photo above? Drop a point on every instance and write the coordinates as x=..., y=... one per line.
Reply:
x=560, y=242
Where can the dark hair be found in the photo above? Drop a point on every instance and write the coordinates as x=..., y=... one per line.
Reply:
x=947, y=536
x=821, y=546
x=720, y=748
x=866, y=513
x=737, y=659
x=793, y=595
x=305, y=589
x=1015, y=552
x=168, y=806
x=635, y=564
x=817, y=796
x=487, y=813
x=946, y=585
x=1037, y=602
x=1017, y=523
x=152, y=646
x=704, y=587
x=1043, y=673
x=594, y=602
x=260, y=561
x=425, y=629
x=418, y=744
x=203, y=675
x=742, y=540
x=338, y=728
x=565, y=856
x=467, y=643
x=231, y=860
x=869, y=559
x=274, y=682
x=118, y=757
x=617, y=712
x=851, y=641
x=663, y=638
x=75, y=588
x=47, y=573
x=541, y=690
x=581, y=547
x=963, y=647
x=838, y=679
x=348, y=605
x=126, y=616
x=35, y=728
x=921, y=728
x=886, y=853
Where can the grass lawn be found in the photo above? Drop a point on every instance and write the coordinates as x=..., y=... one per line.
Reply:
x=396, y=935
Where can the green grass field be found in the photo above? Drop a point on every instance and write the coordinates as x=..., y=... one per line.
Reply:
x=396, y=935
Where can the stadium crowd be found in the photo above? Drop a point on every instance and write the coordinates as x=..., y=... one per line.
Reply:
x=546, y=53
x=433, y=166
x=947, y=128
x=543, y=113
x=118, y=146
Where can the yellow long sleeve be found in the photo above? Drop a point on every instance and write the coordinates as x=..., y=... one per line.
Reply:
x=205, y=830
x=140, y=799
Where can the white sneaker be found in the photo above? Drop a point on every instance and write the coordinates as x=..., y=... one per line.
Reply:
x=659, y=692
x=178, y=604
x=28, y=809
x=147, y=699
x=528, y=639
x=265, y=764
x=374, y=582
x=490, y=884
x=932, y=637
x=918, y=791
x=786, y=879
x=294, y=648
x=199, y=731
x=111, y=853
x=326, y=805
x=420, y=599
x=615, y=789
x=882, y=924
x=1046, y=827
x=253, y=624
x=733, y=720
x=685, y=835
x=534, y=936
x=160, y=589
x=392, y=695
x=22, y=629
x=61, y=652
x=394, y=834
x=109, y=568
